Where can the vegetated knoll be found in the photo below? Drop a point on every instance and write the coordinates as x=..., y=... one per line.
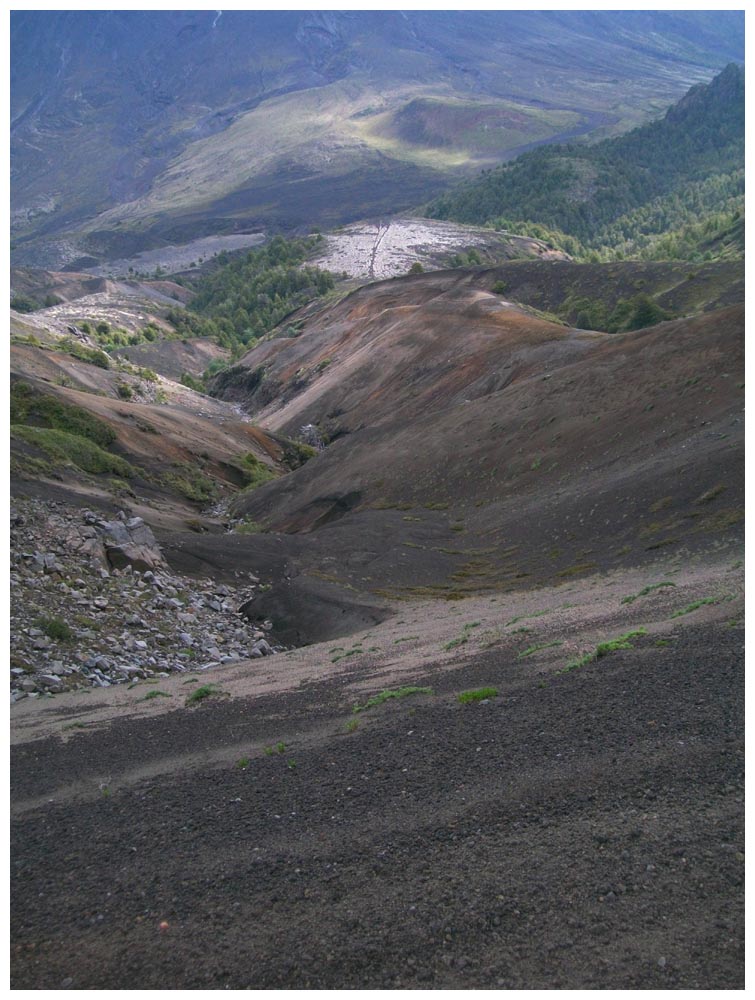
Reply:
x=474, y=445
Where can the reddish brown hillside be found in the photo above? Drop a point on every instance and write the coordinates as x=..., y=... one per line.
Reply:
x=498, y=446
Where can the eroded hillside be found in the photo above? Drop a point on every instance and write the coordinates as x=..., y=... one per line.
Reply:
x=474, y=444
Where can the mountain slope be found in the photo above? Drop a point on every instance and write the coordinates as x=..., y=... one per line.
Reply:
x=653, y=179
x=178, y=124
x=474, y=445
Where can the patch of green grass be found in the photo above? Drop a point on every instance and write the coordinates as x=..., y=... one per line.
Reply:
x=248, y=528
x=577, y=569
x=480, y=694
x=463, y=638
x=203, y=692
x=694, y=606
x=352, y=725
x=604, y=648
x=524, y=618
x=354, y=651
x=631, y=598
x=65, y=448
x=191, y=680
x=190, y=483
x=711, y=494
x=384, y=696
x=278, y=748
x=151, y=695
x=30, y=407
x=407, y=638
x=536, y=649
x=243, y=763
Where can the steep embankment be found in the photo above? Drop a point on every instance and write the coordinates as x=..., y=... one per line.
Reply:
x=475, y=445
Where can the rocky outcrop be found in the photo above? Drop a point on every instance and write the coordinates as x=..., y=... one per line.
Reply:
x=94, y=604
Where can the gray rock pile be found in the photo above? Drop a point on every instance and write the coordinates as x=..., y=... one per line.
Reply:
x=93, y=604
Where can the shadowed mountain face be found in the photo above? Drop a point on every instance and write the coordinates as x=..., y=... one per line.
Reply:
x=177, y=124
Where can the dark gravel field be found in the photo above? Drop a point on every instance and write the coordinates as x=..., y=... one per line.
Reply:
x=583, y=831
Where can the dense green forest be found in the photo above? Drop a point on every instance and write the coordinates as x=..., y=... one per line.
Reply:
x=673, y=188
x=246, y=296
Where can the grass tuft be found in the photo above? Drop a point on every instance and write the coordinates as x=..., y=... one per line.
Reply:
x=604, y=648
x=536, y=649
x=480, y=694
x=55, y=628
x=384, y=696
x=694, y=606
x=463, y=638
x=646, y=590
x=203, y=692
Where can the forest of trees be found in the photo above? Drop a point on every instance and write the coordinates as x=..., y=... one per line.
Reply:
x=673, y=187
x=246, y=296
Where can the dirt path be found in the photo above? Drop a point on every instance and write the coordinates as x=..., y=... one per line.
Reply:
x=582, y=829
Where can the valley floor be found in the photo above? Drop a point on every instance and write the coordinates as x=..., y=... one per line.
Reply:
x=582, y=829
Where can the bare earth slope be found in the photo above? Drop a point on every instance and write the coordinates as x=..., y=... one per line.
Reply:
x=506, y=503
x=477, y=445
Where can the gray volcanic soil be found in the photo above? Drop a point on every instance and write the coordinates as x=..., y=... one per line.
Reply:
x=583, y=829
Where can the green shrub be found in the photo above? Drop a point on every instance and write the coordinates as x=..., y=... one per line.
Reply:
x=255, y=472
x=202, y=693
x=90, y=355
x=23, y=304
x=191, y=483
x=191, y=382
x=55, y=628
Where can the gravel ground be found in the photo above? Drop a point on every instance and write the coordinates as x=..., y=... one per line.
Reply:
x=583, y=829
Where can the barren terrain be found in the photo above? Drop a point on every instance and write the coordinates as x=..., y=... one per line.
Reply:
x=579, y=829
x=385, y=249
x=545, y=518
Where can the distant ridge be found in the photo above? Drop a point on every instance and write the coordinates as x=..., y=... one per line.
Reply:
x=684, y=169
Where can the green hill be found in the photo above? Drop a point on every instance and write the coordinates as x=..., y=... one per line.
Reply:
x=673, y=188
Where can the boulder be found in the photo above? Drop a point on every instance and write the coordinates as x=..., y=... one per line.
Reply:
x=131, y=543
